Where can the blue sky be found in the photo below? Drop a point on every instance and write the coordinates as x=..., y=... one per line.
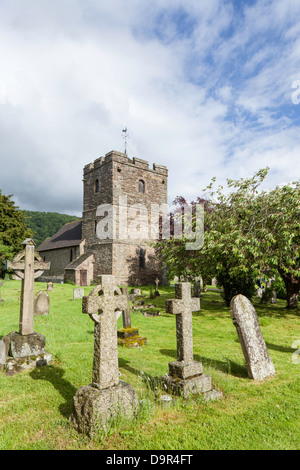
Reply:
x=204, y=87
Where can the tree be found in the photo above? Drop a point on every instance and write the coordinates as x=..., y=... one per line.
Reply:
x=13, y=229
x=246, y=232
x=280, y=225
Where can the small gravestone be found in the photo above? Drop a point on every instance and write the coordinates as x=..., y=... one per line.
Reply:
x=274, y=297
x=259, y=292
x=136, y=292
x=106, y=397
x=50, y=286
x=41, y=303
x=78, y=293
x=185, y=375
x=197, y=289
x=258, y=362
x=0, y=293
x=4, y=347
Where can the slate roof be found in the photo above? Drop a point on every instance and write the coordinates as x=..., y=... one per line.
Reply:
x=69, y=235
x=78, y=261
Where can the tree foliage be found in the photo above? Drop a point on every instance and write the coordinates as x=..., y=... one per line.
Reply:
x=13, y=229
x=46, y=224
x=246, y=232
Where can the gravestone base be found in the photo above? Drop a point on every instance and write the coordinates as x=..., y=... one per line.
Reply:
x=24, y=352
x=130, y=337
x=188, y=379
x=94, y=408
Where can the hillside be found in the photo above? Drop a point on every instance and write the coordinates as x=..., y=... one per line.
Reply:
x=46, y=224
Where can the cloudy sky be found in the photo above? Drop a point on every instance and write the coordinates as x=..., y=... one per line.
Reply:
x=206, y=87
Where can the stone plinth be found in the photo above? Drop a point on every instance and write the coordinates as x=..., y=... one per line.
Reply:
x=22, y=352
x=130, y=337
x=94, y=408
x=189, y=386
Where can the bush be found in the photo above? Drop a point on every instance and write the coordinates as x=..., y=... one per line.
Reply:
x=231, y=286
x=279, y=286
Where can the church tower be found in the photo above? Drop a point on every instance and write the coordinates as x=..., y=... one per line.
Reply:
x=123, y=203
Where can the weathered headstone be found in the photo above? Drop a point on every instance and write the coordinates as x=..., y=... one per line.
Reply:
x=4, y=347
x=41, y=303
x=78, y=293
x=274, y=297
x=129, y=336
x=50, y=286
x=197, y=289
x=259, y=292
x=136, y=292
x=27, y=265
x=258, y=362
x=0, y=293
x=94, y=405
x=185, y=375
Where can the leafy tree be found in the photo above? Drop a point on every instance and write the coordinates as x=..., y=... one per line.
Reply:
x=13, y=229
x=280, y=226
x=246, y=232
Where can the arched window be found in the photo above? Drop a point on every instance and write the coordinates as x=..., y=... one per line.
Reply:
x=141, y=186
x=97, y=186
x=142, y=258
x=71, y=255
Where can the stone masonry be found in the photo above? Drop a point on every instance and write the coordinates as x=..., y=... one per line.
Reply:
x=116, y=180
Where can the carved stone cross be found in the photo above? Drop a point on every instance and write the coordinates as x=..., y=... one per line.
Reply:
x=182, y=307
x=101, y=304
x=27, y=265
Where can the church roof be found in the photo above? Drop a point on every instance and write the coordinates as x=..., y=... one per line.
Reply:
x=69, y=235
x=76, y=263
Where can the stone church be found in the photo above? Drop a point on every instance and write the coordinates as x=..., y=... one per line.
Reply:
x=120, y=195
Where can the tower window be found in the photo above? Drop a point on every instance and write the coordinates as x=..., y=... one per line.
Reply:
x=141, y=186
x=142, y=258
x=97, y=186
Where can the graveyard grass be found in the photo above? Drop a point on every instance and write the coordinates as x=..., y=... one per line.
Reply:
x=35, y=405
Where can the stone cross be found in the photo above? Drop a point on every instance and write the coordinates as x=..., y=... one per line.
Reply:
x=101, y=304
x=182, y=307
x=27, y=265
x=258, y=362
x=126, y=311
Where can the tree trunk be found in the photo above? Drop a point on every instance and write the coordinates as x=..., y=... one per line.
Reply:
x=292, y=285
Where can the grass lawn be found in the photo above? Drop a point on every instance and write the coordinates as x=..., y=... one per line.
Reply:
x=35, y=405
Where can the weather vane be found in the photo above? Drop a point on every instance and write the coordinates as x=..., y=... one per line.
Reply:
x=125, y=137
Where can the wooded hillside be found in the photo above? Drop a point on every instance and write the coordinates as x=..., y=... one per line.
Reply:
x=46, y=224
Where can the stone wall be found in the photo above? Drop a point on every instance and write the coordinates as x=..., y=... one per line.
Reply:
x=59, y=259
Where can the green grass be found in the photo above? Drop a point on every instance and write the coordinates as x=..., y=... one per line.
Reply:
x=35, y=406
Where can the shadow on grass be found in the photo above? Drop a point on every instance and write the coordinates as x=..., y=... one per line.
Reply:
x=227, y=366
x=124, y=363
x=283, y=349
x=54, y=375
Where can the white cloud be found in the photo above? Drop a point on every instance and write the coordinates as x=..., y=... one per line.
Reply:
x=205, y=102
